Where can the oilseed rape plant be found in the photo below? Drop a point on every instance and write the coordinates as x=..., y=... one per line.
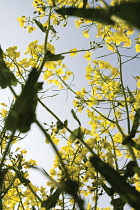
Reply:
x=98, y=158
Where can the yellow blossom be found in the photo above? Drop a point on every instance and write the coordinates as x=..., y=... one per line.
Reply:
x=4, y=113
x=3, y=104
x=88, y=56
x=31, y=29
x=52, y=172
x=73, y=53
x=22, y=21
x=78, y=23
x=69, y=73
x=59, y=71
x=85, y=34
x=47, y=74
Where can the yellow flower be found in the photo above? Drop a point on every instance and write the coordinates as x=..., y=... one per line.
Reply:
x=31, y=29
x=137, y=47
x=78, y=23
x=69, y=73
x=59, y=71
x=4, y=113
x=56, y=82
x=87, y=56
x=85, y=34
x=3, y=104
x=81, y=93
x=12, y=52
x=21, y=21
x=47, y=74
x=55, y=140
x=52, y=172
x=74, y=53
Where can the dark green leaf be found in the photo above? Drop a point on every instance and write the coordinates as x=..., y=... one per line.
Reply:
x=21, y=177
x=100, y=15
x=118, y=204
x=52, y=29
x=6, y=76
x=128, y=11
x=60, y=125
x=127, y=193
x=108, y=15
x=22, y=114
x=108, y=190
x=135, y=124
x=52, y=57
x=128, y=139
x=39, y=24
x=84, y=4
x=129, y=172
x=51, y=201
x=69, y=186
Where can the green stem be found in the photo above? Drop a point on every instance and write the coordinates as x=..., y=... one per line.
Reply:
x=81, y=140
x=34, y=193
x=45, y=43
x=7, y=149
x=54, y=147
x=126, y=106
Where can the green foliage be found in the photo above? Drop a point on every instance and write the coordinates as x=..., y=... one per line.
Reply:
x=108, y=15
x=7, y=78
x=23, y=111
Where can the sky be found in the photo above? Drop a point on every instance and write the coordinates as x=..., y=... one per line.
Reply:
x=13, y=35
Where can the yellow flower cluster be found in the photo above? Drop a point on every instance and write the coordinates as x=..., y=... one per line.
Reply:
x=56, y=74
x=11, y=51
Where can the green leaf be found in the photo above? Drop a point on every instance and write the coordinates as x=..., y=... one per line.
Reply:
x=128, y=11
x=6, y=76
x=69, y=186
x=128, y=139
x=101, y=15
x=75, y=117
x=23, y=111
x=118, y=183
x=60, y=125
x=135, y=124
x=129, y=172
x=76, y=134
x=39, y=24
x=51, y=201
x=118, y=204
x=52, y=57
x=108, y=15
x=52, y=29
x=21, y=177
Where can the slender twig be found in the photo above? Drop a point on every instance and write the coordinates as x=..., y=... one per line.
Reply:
x=7, y=149
x=53, y=145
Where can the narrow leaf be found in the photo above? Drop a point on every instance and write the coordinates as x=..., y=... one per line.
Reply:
x=52, y=57
x=51, y=201
x=75, y=117
x=23, y=111
x=6, y=76
x=98, y=15
x=128, y=11
x=39, y=24
x=127, y=193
